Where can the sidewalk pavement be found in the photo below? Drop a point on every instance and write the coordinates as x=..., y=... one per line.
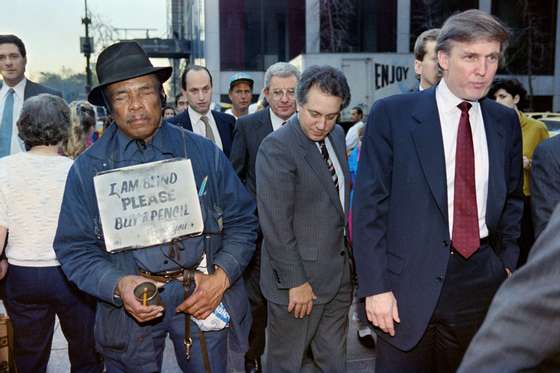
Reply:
x=360, y=359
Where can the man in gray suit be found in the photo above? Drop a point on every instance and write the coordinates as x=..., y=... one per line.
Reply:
x=545, y=182
x=302, y=196
x=280, y=81
x=520, y=332
x=15, y=89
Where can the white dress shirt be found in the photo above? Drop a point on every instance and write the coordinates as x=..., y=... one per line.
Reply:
x=277, y=122
x=449, y=115
x=230, y=112
x=353, y=135
x=200, y=129
x=337, y=169
x=17, y=145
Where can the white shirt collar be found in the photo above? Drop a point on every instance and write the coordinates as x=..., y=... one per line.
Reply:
x=448, y=100
x=18, y=88
x=276, y=120
x=195, y=116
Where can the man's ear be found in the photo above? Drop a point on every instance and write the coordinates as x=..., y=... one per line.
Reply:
x=443, y=60
x=418, y=67
x=516, y=99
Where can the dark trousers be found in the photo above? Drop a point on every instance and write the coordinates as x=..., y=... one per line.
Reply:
x=324, y=332
x=527, y=237
x=174, y=326
x=33, y=296
x=252, y=277
x=465, y=297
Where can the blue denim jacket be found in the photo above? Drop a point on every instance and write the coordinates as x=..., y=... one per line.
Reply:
x=80, y=247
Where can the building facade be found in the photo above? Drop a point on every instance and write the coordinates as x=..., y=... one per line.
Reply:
x=249, y=35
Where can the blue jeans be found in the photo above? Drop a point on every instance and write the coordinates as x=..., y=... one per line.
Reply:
x=33, y=296
x=174, y=324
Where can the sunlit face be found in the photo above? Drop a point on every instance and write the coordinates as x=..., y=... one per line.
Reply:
x=281, y=95
x=470, y=67
x=355, y=117
x=199, y=90
x=136, y=106
x=181, y=104
x=12, y=64
x=240, y=96
x=505, y=98
x=317, y=117
x=427, y=69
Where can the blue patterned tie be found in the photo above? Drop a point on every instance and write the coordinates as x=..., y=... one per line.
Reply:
x=7, y=123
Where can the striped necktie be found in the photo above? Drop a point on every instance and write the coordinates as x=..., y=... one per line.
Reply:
x=329, y=163
x=7, y=123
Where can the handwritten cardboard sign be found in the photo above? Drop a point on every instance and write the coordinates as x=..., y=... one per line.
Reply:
x=148, y=204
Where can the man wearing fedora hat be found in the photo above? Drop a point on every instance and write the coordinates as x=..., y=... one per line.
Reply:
x=131, y=335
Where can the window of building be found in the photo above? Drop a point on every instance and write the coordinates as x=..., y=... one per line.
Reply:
x=257, y=33
x=533, y=25
x=427, y=14
x=358, y=26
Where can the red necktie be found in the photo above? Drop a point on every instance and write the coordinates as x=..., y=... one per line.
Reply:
x=465, y=235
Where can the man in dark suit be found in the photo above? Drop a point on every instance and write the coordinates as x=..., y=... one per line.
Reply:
x=545, y=182
x=196, y=84
x=425, y=59
x=280, y=81
x=438, y=204
x=15, y=89
x=302, y=195
x=520, y=332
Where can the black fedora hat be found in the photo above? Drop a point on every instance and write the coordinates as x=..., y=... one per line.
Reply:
x=122, y=61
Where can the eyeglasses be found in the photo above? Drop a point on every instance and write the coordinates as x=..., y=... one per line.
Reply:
x=277, y=94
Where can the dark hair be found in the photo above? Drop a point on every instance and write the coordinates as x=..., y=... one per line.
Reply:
x=328, y=79
x=12, y=39
x=167, y=107
x=193, y=68
x=420, y=44
x=358, y=110
x=44, y=120
x=472, y=25
x=511, y=86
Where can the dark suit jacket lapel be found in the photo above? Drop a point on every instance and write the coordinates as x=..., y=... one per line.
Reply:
x=315, y=160
x=186, y=121
x=224, y=132
x=29, y=90
x=429, y=146
x=263, y=126
x=496, y=153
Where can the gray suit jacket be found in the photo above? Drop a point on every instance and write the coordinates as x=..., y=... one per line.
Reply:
x=34, y=89
x=520, y=332
x=250, y=131
x=300, y=214
x=545, y=182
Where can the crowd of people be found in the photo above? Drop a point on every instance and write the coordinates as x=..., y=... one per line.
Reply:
x=421, y=213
